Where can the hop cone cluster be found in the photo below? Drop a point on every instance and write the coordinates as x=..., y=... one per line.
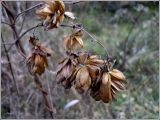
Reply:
x=37, y=60
x=88, y=73
x=52, y=13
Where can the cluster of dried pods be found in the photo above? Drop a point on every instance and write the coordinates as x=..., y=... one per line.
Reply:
x=83, y=71
x=88, y=72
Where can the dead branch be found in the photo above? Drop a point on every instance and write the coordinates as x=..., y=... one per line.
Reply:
x=10, y=66
x=40, y=88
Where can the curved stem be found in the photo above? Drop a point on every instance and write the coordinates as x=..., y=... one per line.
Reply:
x=27, y=10
x=39, y=25
x=95, y=40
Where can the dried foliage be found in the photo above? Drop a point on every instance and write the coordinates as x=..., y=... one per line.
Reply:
x=74, y=41
x=52, y=13
x=37, y=60
x=88, y=75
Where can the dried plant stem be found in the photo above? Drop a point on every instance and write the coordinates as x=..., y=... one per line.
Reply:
x=39, y=25
x=10, y=65
x=44, y=93
x=95, y=40
x=31, y=8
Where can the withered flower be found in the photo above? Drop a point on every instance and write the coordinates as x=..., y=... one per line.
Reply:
x=65, y=69
x=52, y=13
x=86, y=71
x=37, y=60
x=107, y=85
x=74, y=41
x=112, y=82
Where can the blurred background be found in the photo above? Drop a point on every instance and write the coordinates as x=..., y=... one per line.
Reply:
x=130, y=33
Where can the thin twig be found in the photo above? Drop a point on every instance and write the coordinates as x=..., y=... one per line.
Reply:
x=13, y=27
x=97, y=42
x=39, y=25
x=94, y=39
x=127, y=38
x=10, y=65
x=31, y=8
x=5, y=23
x=71, y=2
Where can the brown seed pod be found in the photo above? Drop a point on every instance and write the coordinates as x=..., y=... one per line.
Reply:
x=65, y=69
x=37, y=60
x=74, y=41
x=85, y=72
x=112, y=82
x=83, y=80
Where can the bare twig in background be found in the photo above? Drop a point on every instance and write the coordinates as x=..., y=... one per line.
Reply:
x=13, y=27
x=127, y=38
x=10, y=65
x=39, y=25
x=27, y=10
x=71, y=2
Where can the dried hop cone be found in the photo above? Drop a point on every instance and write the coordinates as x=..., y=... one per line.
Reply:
x=52, y=13
x=37, y=60
x=107, y=85
x=112, y=82
x=74, y=41
x=86, y=71
x=65, y=69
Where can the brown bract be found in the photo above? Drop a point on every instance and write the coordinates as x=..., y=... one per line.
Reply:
x=65, y=69
x=108, y=85
x=74, y=41
x=86, y=72
x=37, y=60
x=52, y=13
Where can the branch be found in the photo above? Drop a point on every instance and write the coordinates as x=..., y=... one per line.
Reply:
x=71, y=2
x=127, y=38
x=31, y=8
x=10, y=65
x=6, y=23
x=39, y=25
x=44, y=93
x=94, y=39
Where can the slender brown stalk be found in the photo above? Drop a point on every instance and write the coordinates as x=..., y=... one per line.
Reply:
x=44, y=93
